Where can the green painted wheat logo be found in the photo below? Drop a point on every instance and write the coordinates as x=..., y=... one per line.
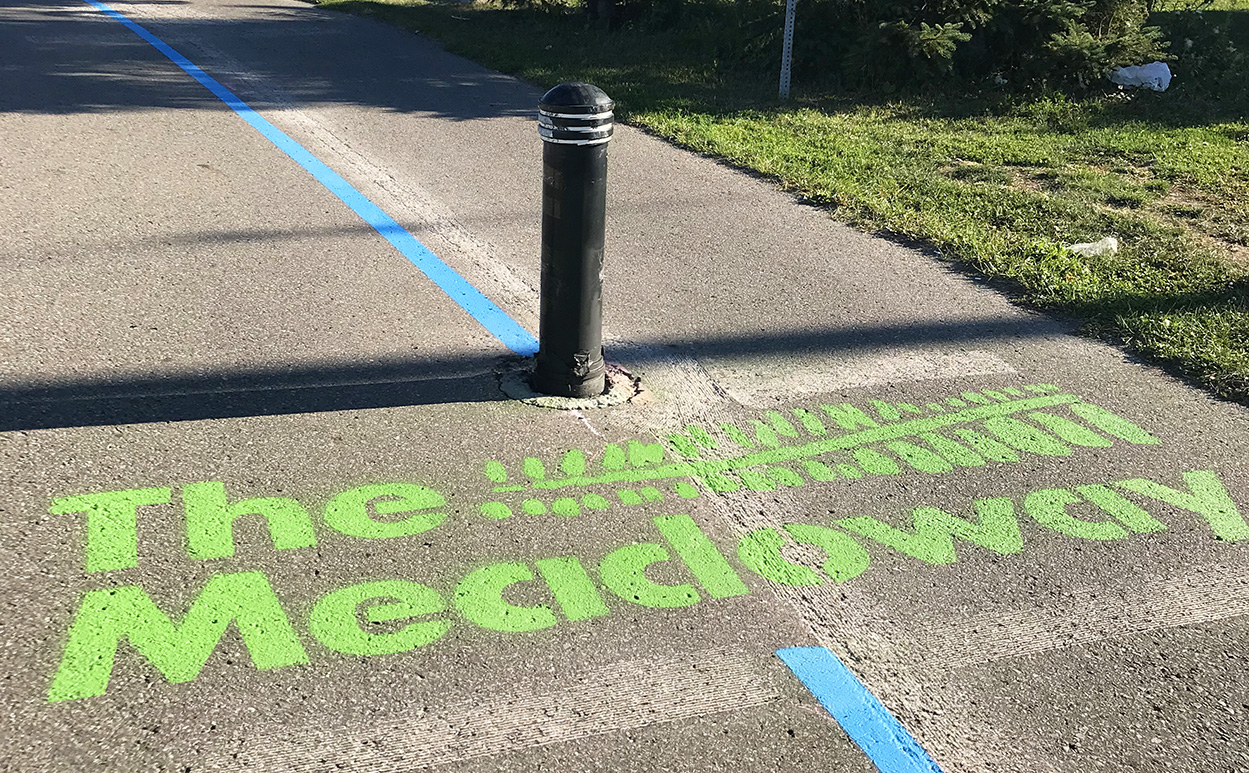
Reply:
x=833, y=442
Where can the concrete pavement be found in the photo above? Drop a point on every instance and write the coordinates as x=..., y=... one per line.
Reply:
x=186, y=307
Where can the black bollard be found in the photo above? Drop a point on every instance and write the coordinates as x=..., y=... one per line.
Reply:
x=575, y=123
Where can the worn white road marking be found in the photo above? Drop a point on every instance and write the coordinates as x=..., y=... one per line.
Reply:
x=626, y=695
x=758, y=380
x=1093, y=615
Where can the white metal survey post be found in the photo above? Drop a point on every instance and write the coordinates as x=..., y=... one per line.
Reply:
x=787, y=53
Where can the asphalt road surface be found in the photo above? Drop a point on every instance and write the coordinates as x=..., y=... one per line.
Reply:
x=264, y=504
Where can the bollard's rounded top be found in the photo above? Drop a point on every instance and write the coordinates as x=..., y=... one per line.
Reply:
x=576, y=97
x=575, y=114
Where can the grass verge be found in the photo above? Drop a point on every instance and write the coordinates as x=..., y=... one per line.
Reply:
x=998, y=185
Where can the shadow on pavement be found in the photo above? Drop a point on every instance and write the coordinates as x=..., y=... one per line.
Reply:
x=69, y=58
x=145, y=398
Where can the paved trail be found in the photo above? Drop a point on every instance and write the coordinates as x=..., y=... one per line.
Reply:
x=264, y=506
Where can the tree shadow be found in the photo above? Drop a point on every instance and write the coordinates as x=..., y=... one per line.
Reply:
x=74, y=59
x=69, y=58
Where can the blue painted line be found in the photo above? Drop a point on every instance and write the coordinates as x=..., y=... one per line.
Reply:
x=459, y=289
x=868, y=723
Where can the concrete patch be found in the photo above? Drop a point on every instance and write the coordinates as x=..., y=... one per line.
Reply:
x=514, y=381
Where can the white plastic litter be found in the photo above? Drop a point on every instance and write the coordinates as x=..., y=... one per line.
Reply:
x=1107, y=246
x=1155, y=76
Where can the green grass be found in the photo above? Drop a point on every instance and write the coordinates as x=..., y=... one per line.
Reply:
x=997, y=185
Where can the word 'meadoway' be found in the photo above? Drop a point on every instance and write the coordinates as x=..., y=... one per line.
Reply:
x=422, y=615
